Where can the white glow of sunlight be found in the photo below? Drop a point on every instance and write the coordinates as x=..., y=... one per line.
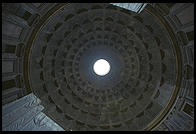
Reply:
x=101, y=67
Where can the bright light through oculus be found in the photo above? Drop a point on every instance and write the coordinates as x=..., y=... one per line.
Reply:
x=101, y=67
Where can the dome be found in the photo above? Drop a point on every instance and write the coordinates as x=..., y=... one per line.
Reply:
x=97, y=66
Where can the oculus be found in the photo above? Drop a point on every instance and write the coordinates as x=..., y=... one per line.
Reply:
x=101, y=67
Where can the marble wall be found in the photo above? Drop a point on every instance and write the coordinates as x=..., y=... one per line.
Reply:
x=25, y=114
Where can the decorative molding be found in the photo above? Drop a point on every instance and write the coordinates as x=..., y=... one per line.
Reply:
x=135, y=7
x=19, y=114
